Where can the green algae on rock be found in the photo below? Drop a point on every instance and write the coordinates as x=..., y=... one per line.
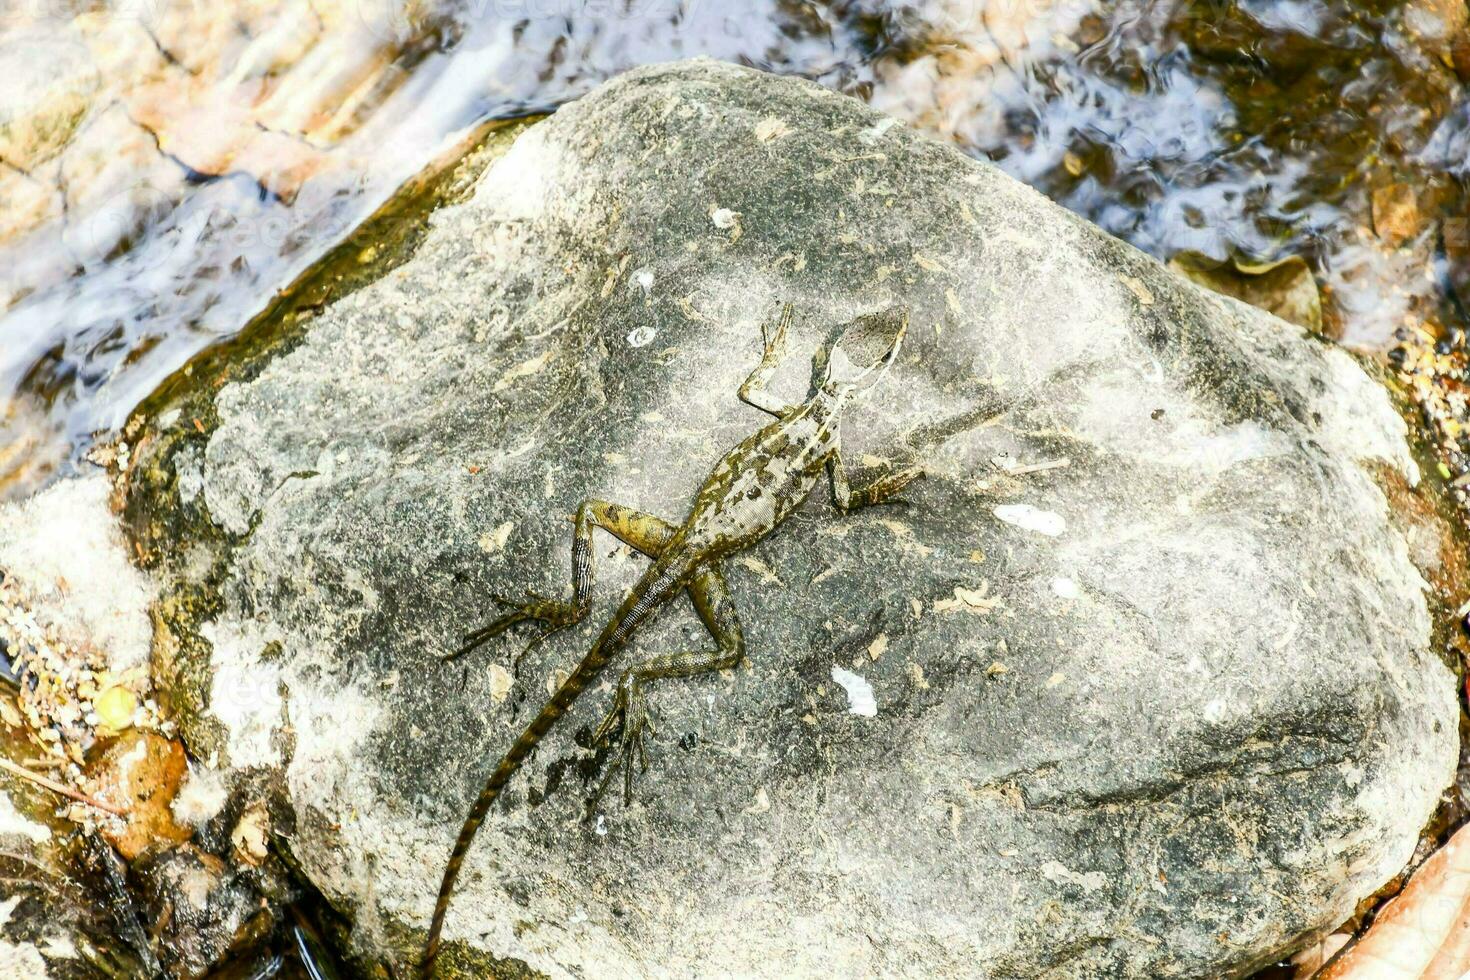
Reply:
x=1169, y=707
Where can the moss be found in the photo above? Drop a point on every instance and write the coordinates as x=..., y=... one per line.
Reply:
x=457, y=960
x=172, y=531
x=1432, y=505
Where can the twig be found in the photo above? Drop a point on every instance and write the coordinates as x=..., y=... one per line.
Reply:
x=56, y=787
x=1051, y=464
x=1021, y=469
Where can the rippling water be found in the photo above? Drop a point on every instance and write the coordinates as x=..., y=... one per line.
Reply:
x=189, y=163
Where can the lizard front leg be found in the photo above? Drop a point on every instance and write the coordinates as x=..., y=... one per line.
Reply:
x=753, y=392
x=642, y=531
x=629, y=714
x=883, y=489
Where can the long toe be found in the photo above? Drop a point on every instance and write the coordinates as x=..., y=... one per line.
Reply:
x=604, y=729
x=605, y=782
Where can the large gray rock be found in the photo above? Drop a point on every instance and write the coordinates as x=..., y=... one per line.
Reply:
x=1153, y=678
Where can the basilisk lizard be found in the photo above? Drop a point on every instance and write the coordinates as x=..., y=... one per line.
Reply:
x=743, y=499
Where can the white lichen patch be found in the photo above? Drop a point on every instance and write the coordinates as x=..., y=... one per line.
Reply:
x=190, y=470
x=1357, y=420
x=73, y=615
x=63, y=548
x=22, y=960
x=14, y=824
x=522, y=178
x=1030, y=518
x=860, y=699
x=331, y=722
x=201, y=797
x=245, y=692
x=1089, y=881
x=18, y=959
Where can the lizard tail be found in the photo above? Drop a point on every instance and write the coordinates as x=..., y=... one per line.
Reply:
x=663, y=579
x=493, y=787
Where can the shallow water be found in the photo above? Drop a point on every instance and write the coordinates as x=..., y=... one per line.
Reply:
x=207, y=158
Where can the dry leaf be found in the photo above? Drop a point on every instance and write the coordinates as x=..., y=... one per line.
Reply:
x=140, y=773
x=1424, y=932
x=1396, y=217
x=771, y=128
x=1137, y=288
x=250, y=835
x=1285, y=287
x=878, y=646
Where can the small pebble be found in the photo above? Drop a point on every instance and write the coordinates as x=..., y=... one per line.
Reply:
x=115, y=708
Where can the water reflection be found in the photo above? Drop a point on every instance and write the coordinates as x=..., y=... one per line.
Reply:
x=166, y=168
x=190, y=192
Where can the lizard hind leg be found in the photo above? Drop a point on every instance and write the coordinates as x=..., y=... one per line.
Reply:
x=629, y=717
x=645, y=532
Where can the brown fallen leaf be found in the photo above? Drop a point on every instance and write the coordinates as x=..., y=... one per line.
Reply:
x=1423, y=933
x=140, y=773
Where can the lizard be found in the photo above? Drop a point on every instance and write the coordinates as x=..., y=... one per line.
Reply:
x=745, y=497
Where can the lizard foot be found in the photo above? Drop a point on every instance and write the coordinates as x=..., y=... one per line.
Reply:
x=630, y=719
x=557, y=615
x=773, y=339
x=906, y=476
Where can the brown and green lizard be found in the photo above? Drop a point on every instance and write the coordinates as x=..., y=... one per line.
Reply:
x=743, y=499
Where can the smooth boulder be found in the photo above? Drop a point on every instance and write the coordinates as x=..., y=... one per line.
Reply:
x=1151, y=666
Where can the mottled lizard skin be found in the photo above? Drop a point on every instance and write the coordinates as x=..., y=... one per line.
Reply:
x=744, y=498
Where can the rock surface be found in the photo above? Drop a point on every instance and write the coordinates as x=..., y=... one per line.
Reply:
x=1152, y=670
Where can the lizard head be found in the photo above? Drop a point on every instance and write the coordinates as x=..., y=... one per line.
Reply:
x=862, y=353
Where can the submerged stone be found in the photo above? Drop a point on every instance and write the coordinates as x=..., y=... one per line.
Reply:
x=1155, y=692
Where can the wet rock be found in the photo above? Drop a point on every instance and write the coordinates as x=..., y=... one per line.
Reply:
x=203, y=910
x=1155, y=692
x=50, y=82
x=953, y=68
x=1285, y=288
x=1396, y=214
x=1439, y=26
x=108, y=113
x=1455, y=236
x=54, y=921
